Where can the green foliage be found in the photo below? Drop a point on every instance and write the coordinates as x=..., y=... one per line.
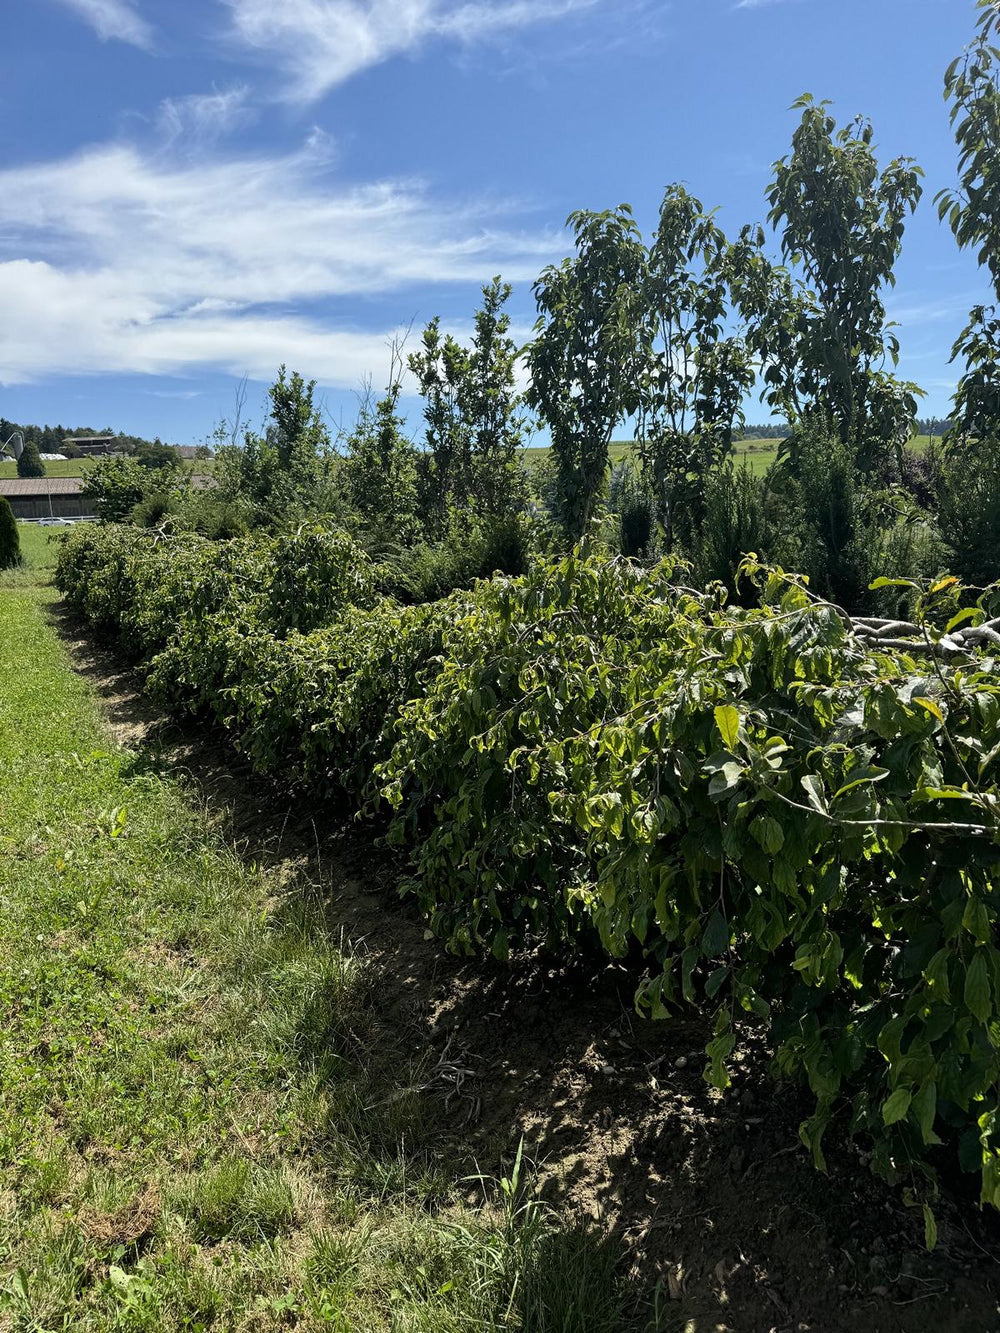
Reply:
x=584, y=361
x=969, y=510
x=694, y=377
x=972, y=85
x=823, y=341
x=474, y=418
x=30, y=463
x=749, y=796
x=281, y=476
x=380, y=469
x=151, y=511
x=10, y=541
x=470, y=550
x=116, y=485
x=157, y=455
x=843, y=531
x=632, y=500
x=296, y=431
x=735, y=525
x=785, y=821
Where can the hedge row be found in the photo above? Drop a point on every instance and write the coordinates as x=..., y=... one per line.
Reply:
x=781, y=820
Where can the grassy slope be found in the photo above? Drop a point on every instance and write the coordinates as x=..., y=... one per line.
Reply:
x=201, y=1113
x=72, y=467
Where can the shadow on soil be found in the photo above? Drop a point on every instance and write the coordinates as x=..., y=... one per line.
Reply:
x=721, y=1219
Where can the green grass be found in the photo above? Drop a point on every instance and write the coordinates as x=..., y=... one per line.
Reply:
x=71, y=467
x=758, y=454
x=206, y=1117
x=79, y=467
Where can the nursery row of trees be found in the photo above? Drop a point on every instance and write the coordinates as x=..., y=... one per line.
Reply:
x=770, y=807
x=672, y=335
x=781, y=816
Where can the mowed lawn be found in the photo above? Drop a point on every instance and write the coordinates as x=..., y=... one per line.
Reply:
x=208, y=1117
x=70, y=467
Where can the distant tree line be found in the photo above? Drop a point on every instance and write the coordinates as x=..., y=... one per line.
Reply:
x=935, y=427
x=772, y=430
x=51, y=439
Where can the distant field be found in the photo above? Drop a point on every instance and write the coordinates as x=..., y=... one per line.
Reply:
x=79, y=467
x=72, y=467
x=758, y=454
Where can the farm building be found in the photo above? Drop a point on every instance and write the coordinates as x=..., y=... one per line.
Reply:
x=46, y=497
x=92, y=445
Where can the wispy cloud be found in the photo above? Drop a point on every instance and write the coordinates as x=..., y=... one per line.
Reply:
x=204, y=118
x=319, y=44
x=117, y=261
x=114, y=20
x=760, y=4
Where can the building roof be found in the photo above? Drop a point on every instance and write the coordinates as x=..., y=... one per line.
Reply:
x=26, y=487
x=89, y=439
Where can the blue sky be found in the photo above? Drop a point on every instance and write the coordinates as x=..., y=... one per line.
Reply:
x=193, y=190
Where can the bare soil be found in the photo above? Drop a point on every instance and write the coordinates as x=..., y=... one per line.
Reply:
x=722, y=1219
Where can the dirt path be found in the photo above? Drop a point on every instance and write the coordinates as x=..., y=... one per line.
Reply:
x=726, y=1222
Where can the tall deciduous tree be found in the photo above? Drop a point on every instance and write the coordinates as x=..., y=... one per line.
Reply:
x=585, y=358
x=695, y=374
x=823, y=340
x=972, y=85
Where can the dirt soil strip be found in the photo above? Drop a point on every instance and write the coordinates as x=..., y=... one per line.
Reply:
x=722, y=1215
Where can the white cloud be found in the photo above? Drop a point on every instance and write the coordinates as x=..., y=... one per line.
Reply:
x=204, y=118
x=112, y=261
x=321, y=43
x=114, y=20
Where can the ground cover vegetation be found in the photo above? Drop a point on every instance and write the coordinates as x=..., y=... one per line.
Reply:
x=589, y=700
x=206, y=1116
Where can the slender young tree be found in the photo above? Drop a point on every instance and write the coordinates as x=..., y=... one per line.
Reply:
x=695, y=374
x=380, y=465
x=474, y=417
x=494, y=408
x=585, y=359
x=441, y=368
